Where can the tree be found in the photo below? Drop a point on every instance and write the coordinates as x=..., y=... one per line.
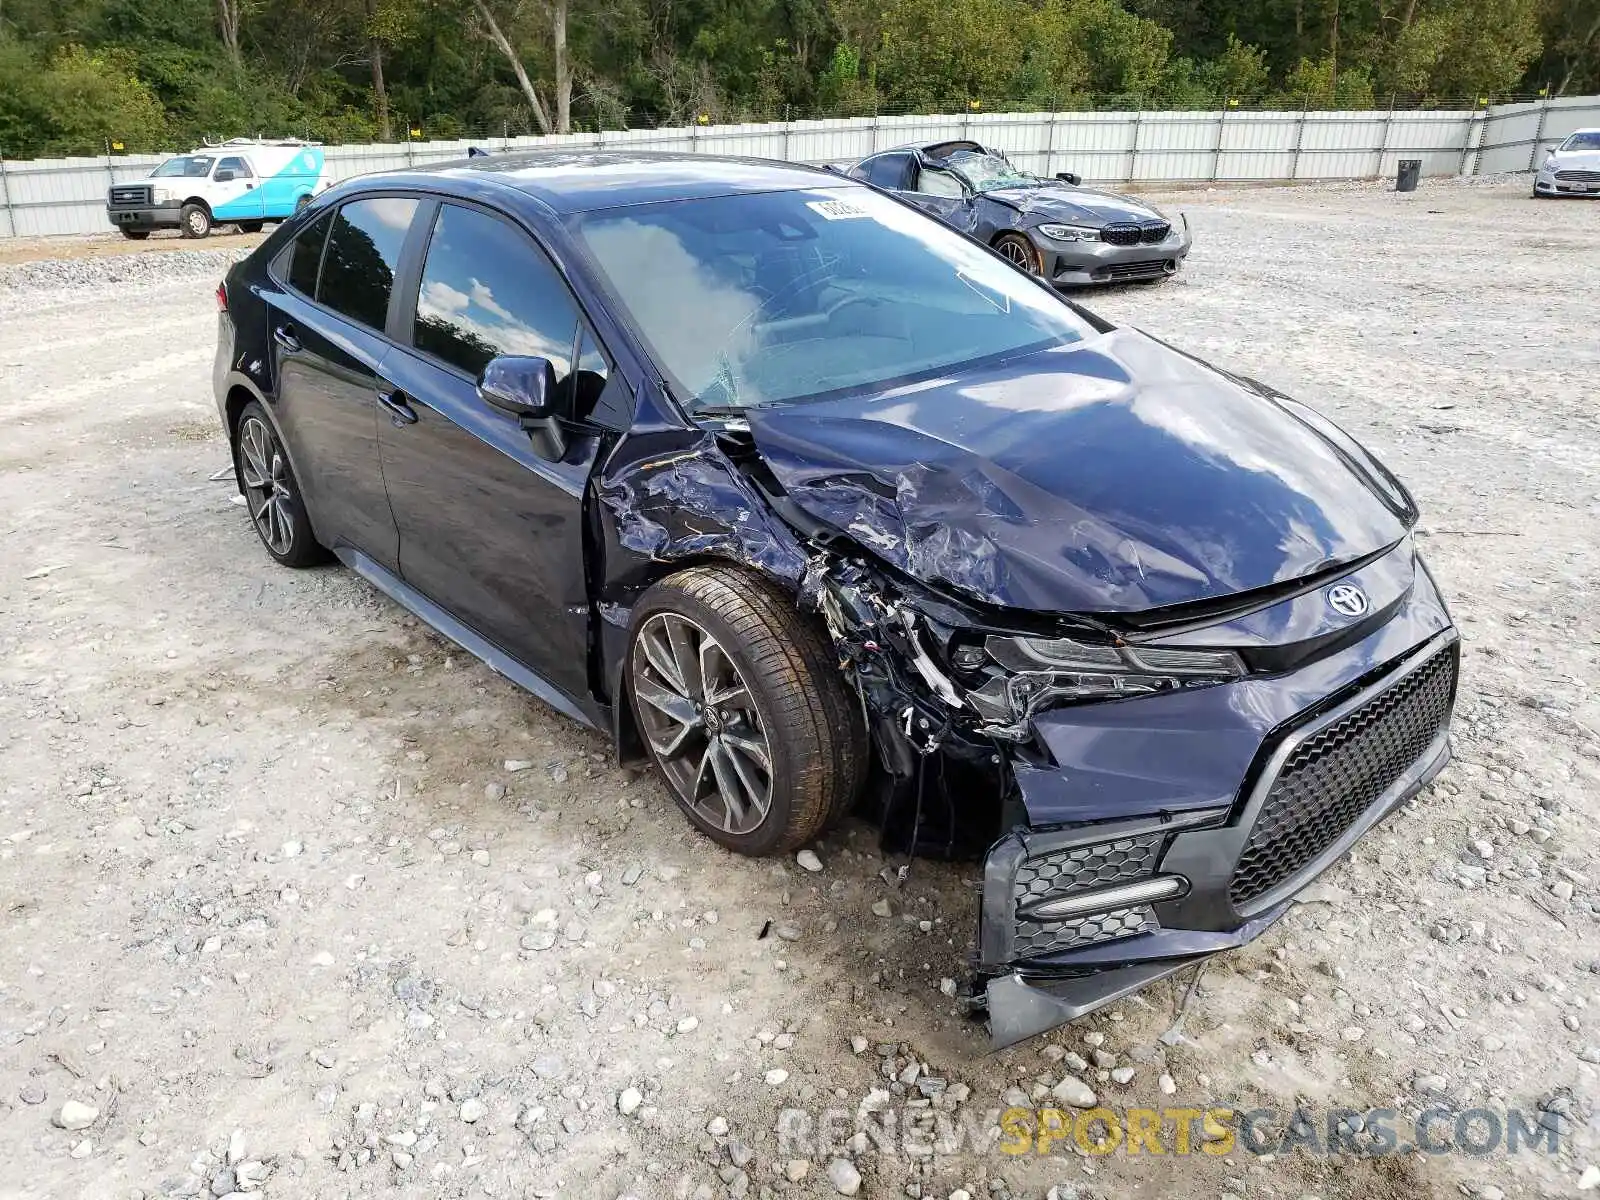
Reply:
x=492, y=30
x=230, y=19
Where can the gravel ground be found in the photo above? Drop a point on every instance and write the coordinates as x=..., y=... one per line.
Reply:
x=298, y=900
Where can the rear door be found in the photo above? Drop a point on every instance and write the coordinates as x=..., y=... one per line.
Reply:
x=235, y=190
x=328, y=344
x=489, y=530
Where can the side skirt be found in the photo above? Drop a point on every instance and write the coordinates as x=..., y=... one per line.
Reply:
x=474, y=643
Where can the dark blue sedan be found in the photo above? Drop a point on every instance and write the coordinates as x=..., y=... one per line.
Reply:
x=821, y=506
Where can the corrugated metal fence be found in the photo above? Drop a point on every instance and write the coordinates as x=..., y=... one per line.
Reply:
x=51, y=196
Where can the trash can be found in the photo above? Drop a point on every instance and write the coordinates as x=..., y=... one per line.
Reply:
x=1405, y=179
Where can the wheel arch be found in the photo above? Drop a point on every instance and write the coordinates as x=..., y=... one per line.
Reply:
x=627, y=742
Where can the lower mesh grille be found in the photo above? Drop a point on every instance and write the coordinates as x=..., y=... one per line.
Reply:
x=1034, y=938
x=1134, y=270
x=1336, y=774
x=1062, y=872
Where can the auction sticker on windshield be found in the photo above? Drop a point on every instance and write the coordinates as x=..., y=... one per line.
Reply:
x=836, y=210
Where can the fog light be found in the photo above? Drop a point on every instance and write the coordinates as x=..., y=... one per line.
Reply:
x=1146, y=891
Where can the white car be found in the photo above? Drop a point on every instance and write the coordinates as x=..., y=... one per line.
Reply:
x=1573, y=168
x=243, y=182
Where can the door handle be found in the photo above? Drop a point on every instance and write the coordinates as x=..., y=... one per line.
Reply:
x=284, y=336
x=400, y=410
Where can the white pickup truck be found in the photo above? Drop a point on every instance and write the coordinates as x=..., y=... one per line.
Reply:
x=243, y=182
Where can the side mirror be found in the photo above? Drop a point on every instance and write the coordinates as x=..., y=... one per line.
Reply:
x=223, y=176
x=1069, y=177
x=519, y=385
x=524, y=386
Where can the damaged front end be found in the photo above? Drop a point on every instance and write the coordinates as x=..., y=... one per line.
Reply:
x=1139, y=803
x=1152, y=728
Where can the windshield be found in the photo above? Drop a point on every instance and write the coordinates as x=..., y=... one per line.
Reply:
x=783, y=296
x=1589, y=139
x=985, y=172
x=190, y=166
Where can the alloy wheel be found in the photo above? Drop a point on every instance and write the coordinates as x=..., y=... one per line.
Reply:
x=1017, y=254
x=265, y=473
x=702, y=723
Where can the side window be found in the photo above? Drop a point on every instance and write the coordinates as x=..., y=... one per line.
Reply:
x=888, y=171
x=589, y=380
x=305, y=256
x=363, y=250
x=933, y=182
x=487, y=290
x=240, y=168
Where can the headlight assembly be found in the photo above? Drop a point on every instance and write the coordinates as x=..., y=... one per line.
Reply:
x=1070, y=233
x=1023, y=674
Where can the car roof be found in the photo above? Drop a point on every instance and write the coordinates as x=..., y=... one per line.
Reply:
x=574, y=181
x=940, y=149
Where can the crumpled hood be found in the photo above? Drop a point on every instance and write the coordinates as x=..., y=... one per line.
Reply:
x=1074, y=205
x=1114, y=475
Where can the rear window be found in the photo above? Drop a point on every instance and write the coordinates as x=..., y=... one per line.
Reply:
x=306, y=255
x=363, y=252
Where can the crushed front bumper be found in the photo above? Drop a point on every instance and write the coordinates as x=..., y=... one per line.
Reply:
x=1078, y=916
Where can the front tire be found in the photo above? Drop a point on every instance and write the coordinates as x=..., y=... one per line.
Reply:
x=741, y=703
x=1019, y=252
x=194, y=221
x=271, y=492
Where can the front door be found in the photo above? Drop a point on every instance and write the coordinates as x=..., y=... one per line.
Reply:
x=489, y=530
x=940, y=193
x=328, y=347
x=235, y=190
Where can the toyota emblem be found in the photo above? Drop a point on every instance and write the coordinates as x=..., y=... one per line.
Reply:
x=1347, y=599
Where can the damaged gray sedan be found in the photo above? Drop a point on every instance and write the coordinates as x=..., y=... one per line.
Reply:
x=1066, y=234
x=822, y=507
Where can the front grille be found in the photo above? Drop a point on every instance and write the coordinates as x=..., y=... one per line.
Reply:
x=130, y=195
x=1062, y=872
x=1338, y=772
x=1129, y=233
x=1133, y=270
x=1578, y=176
x=1034, y=938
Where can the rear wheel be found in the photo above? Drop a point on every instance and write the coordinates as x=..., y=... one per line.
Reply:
x=271, y=492
x=135, y=235
x=194, y=221
x=741, y=702
x=1020, y=252
x=251, y=226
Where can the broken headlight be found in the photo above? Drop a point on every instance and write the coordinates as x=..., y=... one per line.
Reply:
x=1014, y=677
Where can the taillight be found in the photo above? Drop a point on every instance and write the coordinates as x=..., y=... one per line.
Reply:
x=222, y=296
